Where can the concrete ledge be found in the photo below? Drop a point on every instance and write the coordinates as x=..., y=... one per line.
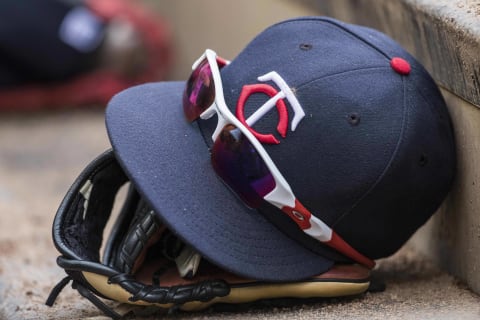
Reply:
x=444, y=35
x=452, y=237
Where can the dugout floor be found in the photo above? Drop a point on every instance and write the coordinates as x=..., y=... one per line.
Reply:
x=42, y=153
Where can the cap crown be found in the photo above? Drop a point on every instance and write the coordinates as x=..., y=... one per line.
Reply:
x=373, y=157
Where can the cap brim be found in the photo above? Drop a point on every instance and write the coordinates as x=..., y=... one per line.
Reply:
x=168, y=160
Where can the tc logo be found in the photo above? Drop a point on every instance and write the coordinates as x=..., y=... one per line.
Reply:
x=276, y=99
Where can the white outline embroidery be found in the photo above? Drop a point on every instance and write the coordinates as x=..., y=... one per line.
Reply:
x=285, y=92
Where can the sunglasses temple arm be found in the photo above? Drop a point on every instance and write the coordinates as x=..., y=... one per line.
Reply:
x=343, y=247
x=320, y=231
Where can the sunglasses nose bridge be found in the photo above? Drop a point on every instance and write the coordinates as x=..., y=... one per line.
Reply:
x=221, y=123
x=209, y=112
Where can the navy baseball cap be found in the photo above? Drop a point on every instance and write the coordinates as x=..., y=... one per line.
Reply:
x=373, y=156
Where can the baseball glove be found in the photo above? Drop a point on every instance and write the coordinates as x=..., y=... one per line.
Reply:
x=144, y=263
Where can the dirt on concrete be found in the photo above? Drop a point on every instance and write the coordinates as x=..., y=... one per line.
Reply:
x=40, y=156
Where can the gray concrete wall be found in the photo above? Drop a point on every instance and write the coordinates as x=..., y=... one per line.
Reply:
x=443, y=34
x=452, y=236
x=230, y=26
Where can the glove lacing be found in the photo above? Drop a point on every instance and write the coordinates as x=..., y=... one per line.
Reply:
x=84, y=292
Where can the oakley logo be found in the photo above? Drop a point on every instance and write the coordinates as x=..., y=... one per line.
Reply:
x=276, y=100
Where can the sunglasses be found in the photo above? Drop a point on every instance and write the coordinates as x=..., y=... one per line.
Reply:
x=241, y=161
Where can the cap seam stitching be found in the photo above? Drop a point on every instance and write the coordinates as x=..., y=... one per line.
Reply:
x=363, y=40
x=340, y=73
x=389, y=164
x=345, y=30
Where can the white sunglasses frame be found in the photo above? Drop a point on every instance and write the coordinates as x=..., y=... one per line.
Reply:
x=282, y=195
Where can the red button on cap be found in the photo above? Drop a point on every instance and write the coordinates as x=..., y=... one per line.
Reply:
x=400, y=65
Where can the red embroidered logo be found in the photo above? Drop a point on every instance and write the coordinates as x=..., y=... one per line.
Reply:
x=276, y=100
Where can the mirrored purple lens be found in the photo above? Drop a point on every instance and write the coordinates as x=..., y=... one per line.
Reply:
x=241, y=167
x=199, y=91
